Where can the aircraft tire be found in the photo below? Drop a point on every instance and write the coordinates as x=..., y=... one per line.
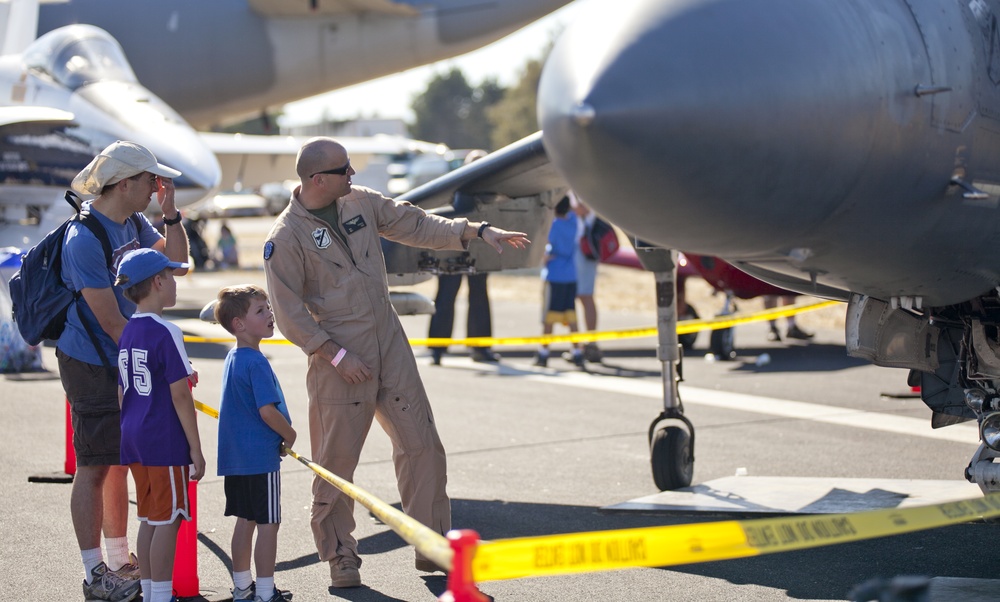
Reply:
x=722, y=344
x=688, y=340
x=671, y=459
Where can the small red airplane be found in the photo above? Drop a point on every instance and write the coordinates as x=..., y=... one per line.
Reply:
x=722, y=276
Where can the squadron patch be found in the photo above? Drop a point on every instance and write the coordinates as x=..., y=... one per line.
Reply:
x=321, y=236
x=268, y=250
x=354, y=224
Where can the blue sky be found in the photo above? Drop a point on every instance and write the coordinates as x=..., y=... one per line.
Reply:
x=392, y=95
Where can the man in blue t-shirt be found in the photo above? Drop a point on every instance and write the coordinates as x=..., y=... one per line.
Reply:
x=123, y=178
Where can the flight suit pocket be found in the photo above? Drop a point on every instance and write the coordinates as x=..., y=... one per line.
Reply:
x=408, y=418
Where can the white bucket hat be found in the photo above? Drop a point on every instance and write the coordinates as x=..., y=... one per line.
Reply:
x=118, y=161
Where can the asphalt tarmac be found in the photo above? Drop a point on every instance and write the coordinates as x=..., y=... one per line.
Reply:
x=541, y=451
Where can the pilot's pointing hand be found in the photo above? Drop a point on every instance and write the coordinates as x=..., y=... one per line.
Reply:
x=495, y=237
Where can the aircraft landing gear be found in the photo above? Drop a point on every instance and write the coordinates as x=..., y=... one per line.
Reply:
x=722, y=343
x=671, y=434
x=671, y=451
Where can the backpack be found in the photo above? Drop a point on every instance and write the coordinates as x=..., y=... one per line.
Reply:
x=599, y=241
x=38, y=295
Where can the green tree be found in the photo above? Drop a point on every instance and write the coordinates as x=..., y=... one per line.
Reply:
x=451, y=111
x=515, y=116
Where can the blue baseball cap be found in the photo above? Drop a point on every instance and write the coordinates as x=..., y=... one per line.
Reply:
x=140, y=264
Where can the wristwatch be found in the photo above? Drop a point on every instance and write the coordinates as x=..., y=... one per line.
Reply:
x=171, y=222
x=482, y=228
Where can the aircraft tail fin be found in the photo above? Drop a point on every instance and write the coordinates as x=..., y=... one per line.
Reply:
x=18, y=25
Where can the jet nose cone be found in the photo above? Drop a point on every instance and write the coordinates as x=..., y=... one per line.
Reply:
x=695, y=123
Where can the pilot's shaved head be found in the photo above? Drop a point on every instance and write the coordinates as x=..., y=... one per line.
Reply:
x=318, y=154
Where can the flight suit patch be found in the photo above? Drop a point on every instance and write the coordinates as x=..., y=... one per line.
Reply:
x=354, y=224
x=268, y=250
x=322, y=238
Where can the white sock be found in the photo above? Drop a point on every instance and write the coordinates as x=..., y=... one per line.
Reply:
x=147, y=588
x=91, y=559
x=162, y=591
x=117, y=549
x=242, y=579
x=265, y=587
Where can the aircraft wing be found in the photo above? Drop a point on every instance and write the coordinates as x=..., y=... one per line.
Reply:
x=284, y=8
x=253, y=160
x=521, y=169
x=513, y=188
x=30, y=114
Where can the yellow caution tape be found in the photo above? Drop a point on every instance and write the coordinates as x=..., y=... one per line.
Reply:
x=429, y=543
x=706, y=542
x=683, y=327
x=206, y=409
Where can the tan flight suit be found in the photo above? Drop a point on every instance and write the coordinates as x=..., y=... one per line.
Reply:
x=321, y=288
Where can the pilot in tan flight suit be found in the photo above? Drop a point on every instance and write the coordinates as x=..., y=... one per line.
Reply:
x=326, y=276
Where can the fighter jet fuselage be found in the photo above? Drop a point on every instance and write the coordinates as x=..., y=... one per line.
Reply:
x=847, y=149
x=833, y=147
x=219, y=60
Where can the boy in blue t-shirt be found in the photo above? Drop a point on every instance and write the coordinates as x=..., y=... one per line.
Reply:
x=559, y=273
x=159, y=431
x=254, y=426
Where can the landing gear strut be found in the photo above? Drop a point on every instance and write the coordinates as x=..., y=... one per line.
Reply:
x=671, y=434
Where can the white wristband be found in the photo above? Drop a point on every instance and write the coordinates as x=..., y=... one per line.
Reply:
x=340, y=355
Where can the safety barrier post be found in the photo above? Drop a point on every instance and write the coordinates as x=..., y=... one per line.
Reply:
x=185, y=577
x=70, y=466
x=461, y=586
x=186, y=560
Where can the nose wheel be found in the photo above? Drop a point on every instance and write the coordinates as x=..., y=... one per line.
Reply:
x=671, y=451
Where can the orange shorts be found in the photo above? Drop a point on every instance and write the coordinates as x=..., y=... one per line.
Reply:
x=162, y=493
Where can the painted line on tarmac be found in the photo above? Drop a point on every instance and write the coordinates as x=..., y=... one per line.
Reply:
x=800, y=410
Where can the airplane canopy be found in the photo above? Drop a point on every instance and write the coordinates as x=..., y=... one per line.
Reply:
x=77, y=55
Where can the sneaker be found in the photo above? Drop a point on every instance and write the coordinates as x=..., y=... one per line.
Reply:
x=541, y=360
x=592, y=353
x=427, y=566
x=279, y=596
x=245, y=595
x=344, y=573
x=773, y=335
x=129, y=570
x=250, y=594
x=485, y=356
x=574, y=357
x=797, y=333
x=106, y=585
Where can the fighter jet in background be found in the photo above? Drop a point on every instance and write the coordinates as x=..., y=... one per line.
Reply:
x=63, y=98
x=222, y=60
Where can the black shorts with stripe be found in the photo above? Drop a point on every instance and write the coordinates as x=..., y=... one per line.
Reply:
x=255, y=497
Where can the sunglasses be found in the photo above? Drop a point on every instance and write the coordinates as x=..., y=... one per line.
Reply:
x=340, y=171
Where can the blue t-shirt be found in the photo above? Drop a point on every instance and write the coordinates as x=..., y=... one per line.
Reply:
x=562, y=247
x=84, y=266
x=247, y=445
x=151, y=357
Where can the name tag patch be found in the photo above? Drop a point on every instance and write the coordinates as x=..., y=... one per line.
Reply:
x=354, y=224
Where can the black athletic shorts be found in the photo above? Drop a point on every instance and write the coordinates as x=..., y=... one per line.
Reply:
x=254, y=497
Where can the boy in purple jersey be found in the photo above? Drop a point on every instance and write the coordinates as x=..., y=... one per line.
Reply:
x=254, y=426
x=159, y=430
